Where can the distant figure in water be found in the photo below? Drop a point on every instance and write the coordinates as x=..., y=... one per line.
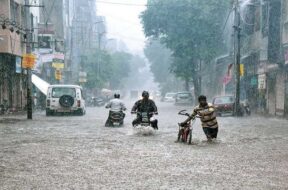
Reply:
x=207, y=114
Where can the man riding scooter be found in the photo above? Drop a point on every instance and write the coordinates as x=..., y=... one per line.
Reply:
x=116, y=111
x=145, y=105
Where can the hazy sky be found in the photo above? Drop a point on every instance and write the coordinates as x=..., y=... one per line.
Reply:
x=123, y=21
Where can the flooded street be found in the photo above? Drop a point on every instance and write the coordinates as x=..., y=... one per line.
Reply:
x=80, y=153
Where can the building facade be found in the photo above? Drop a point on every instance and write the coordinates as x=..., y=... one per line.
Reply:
x=264, y=55
x=12, y=47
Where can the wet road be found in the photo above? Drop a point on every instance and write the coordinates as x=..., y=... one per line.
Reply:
x=79, y=153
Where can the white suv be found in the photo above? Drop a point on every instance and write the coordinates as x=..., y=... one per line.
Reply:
x=65, y=99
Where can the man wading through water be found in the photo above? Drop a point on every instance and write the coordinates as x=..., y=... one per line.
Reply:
x=207, y=114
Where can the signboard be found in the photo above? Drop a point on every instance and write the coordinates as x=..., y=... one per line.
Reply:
x=58, y=65
x=82, y=77
x=254, y=81
x=82, y=80
x=44, y=42
x=28, y=61
x=58, y=61
x=227, y=79
x=18, y=68
x=45, y=58
x=241, y=70
x=58, y=75
x=286, y=56
x=262, y=81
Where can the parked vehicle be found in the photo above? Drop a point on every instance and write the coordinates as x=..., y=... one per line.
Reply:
x=65, y=99
x=4, y=107
x=184, y=98
x=169, y=97
x=224, y=105
x=97, y=102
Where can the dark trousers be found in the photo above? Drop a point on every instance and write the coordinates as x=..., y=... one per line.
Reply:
x=211, y=133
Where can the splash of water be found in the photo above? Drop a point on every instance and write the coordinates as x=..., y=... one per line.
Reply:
x=144, y=131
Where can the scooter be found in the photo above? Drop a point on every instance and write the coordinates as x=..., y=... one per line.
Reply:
x=115, y=119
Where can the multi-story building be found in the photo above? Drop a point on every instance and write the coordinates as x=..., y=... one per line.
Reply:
x=264, y=54
x=12, y=47
x=88, y=32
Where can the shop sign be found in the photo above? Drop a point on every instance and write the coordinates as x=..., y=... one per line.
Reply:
x=82, y=77
x=58, y=61
x=58, y=75
x=262, y=81
x=254, y=81
x=45, y=58
x=58, y=65
x=28, y=61
x=286, y=56
x=18, y=68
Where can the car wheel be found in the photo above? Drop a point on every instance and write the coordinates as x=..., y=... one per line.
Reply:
x=81, y=112
x=66, y=101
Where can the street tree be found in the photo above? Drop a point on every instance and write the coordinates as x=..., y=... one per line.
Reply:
x=191, y=29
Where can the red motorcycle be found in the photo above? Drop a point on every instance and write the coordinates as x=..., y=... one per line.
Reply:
x=185, y=131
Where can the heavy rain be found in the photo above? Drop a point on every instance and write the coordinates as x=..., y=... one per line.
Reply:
x=143, y=94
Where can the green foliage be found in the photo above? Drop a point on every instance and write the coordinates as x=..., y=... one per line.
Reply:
x=121, y=68
x=192, y=29
x=113, y=69
x=160, y=59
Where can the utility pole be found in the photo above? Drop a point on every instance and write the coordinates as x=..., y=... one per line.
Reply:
x=237, y=54
x=28, y=51
x=99, y=56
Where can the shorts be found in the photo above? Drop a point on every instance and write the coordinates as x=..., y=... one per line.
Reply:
x=210, y=132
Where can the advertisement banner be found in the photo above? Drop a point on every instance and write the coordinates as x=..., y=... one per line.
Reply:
x=18, y=65
x=286, y=56
x=58, y=61
x=262, y=81
x=46, y=58
x=28, y=61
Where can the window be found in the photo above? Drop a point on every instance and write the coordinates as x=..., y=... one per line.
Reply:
x=14, y=11
x=224, y=100
x=58, y=92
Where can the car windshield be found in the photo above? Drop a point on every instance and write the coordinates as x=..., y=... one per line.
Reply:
x=224, y=100
x=58, y=92
x=170, y=95
x=184, y=95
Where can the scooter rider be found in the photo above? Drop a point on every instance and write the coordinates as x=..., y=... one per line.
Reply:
x=207, y=114
x=145, y=105
x=115, y=105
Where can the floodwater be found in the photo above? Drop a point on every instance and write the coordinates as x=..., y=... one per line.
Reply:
x=80, y=153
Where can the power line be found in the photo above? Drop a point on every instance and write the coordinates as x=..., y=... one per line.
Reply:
x=124, y=4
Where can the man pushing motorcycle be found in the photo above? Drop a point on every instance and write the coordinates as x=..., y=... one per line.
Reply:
x=207, y=114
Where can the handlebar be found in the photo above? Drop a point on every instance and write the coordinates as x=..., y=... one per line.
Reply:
x=136, y=112
x=183, y=112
